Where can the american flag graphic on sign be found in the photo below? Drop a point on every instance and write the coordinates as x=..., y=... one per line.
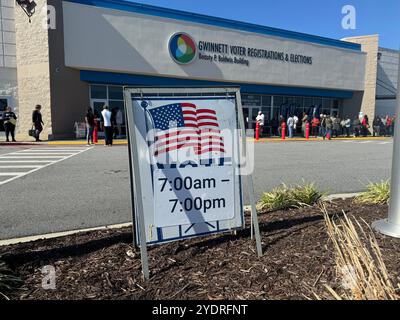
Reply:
x=182, y=125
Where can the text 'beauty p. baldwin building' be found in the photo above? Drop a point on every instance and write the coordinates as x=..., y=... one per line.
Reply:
x=99, y=46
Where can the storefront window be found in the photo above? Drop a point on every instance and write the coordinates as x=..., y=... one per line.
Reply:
x=298, y=101
x=317, y=101
x=115, y=104
x=251, y=100
x=278, y=101
x=308, y=102
x=335, y=104
x=98, y=92
x=267, y=112
x=266, y=101
x=326, y=103
x=115, y=93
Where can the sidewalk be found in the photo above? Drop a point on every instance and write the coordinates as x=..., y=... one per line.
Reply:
x=125, y=142
x=320, y=139
x=59, y=142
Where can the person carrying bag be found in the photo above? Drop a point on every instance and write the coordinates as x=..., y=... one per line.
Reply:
x=37, y=123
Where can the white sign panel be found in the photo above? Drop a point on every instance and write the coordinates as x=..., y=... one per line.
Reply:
x=185, y=155
x=193, y=196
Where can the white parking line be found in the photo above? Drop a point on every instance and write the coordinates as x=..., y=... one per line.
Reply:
x=5, y=174
x=54, y=149
x=24, y=161
x=30, y=157
x=390, y=142
x=41, y=153
x=45, y=159
x=19, y=167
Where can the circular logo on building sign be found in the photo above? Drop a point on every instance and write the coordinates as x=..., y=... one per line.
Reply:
x=182, y=48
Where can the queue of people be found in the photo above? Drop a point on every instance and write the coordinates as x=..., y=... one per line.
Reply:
x=330, y=126
x=110, y=122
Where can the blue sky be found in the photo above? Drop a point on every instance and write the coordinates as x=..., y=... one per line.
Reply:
x=323, y=18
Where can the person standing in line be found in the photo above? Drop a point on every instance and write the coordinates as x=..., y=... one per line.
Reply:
x=322, y=127
x=108, y=130
x=296, y=122
x=388, y=126
x=260, y=120
x=383, y=126
x=290, y=125
x=328, y=128
x=392, y=126
x=347, y=126
x=10, y=121
x=336, y=126
x=304, y=122
x=281, y=122
x=315, y=126
x=37, y=121
x=376, y=126
x=365, y=126
x=356, y=126
x=89, y=119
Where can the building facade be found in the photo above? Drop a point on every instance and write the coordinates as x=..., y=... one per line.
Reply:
x=387, y=78
x=98, y=47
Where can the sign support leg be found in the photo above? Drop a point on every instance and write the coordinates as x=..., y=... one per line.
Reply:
x=254, y=227
x=138, y=192
x=254, y=217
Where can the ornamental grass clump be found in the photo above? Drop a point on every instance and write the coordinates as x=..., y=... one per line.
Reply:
x=377, y=193
x=278, y=199
x=8, y=281
x=306, y=195
x=359, y=262
x=285, y=197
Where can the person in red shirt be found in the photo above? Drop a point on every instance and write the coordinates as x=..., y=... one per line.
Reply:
x=365, y=125
x=388, y=125
x=315, y=126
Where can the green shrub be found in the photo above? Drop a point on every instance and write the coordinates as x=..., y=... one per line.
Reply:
x=306, y=195
x=277, y=199
x=377, y=193
x=285, y=197
x=7, y=280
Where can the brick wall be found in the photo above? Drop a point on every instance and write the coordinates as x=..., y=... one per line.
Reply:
x=33, y=74
x=370, y=45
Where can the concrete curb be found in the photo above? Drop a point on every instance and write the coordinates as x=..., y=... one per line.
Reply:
x=125, y=142
x=61, y=234
x=7, y=242
x=342, y=196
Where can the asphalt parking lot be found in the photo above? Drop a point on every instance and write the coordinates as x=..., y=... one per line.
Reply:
x=60, y=188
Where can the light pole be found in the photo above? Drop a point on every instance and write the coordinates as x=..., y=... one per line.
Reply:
x=391, y=225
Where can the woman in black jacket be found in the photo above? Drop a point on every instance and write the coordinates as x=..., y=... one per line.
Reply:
x=10, y=120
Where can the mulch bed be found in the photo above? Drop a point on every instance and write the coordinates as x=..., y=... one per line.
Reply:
x=298, y=261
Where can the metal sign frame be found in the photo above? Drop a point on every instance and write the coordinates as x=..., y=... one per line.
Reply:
x=136, y=183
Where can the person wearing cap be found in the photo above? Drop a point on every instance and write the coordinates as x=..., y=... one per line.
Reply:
x=260, y=120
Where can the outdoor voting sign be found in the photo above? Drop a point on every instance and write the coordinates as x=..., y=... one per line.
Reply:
x=187, y=178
